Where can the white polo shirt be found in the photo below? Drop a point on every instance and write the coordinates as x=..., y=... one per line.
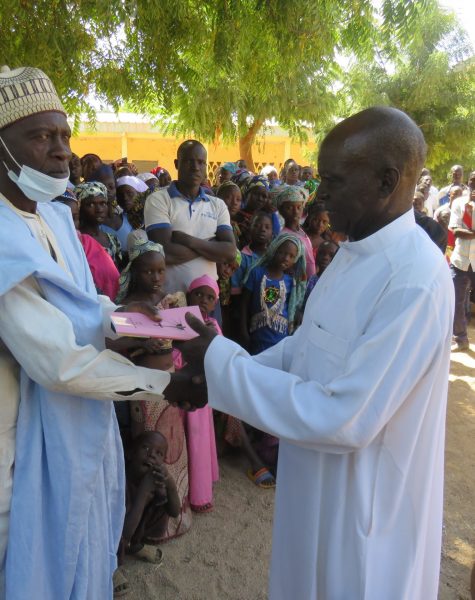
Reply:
x=464, y=252
x=201, y=217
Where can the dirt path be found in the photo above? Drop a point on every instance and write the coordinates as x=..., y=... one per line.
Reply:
x=225, y=556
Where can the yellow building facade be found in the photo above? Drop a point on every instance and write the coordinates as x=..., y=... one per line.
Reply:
x=128, y=135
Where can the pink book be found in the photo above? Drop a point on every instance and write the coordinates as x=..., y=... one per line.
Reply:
x=172, y=326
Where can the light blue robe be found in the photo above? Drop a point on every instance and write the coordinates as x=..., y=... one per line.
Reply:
x=68, y=488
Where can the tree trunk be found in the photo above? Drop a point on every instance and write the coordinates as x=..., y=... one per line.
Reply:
x=246, y=141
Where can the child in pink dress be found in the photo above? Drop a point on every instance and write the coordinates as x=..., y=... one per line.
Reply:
x=200, y=438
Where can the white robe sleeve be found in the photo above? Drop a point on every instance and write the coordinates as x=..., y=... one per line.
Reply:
x=42, y=340
x=386, y=362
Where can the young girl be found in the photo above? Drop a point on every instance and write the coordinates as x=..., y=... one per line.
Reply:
x=326, y=254
x=142, y=280
x=270, y=300
x=225, y=273
x=261, y=236
x=317, y=225
x=290, y=202
x=233, y=431
x=93, y=210
x=116, y=221
x=200, y=437
x=271, y=296
x=256, y=198
x=231, y=194
x=103, y=270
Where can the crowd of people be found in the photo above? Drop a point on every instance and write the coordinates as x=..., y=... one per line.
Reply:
x=452, y=207
x=249, y=250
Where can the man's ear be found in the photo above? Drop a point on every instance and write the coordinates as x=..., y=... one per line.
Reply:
x=175, y=162
x=389, y=181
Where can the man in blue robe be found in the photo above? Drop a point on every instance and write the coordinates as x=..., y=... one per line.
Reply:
x=61, y=526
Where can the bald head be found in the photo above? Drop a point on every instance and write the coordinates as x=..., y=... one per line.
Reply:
x=457, y=174
x=369, y=165
x=383, y=136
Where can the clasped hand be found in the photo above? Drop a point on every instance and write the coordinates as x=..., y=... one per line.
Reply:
x=187, y=388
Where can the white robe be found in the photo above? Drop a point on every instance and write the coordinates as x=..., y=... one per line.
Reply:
x=357, y=397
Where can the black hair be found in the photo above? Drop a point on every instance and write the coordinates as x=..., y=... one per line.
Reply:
x=225, y=188
x=259, y=215
x=188, y=144
x=133, y=444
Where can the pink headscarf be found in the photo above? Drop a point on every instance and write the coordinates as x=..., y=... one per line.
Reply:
x=202, y=281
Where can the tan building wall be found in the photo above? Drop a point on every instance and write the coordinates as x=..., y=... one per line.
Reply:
x=147, y=149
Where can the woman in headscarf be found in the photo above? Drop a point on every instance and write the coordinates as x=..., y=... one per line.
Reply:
x=115, y=222
x=131, y=195
x=255, y=198
x=270, y=172
x=93, y=211
x=150, y=179
x=103, y=270
x=226, y=171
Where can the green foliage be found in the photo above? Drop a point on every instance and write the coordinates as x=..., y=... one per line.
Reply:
x=222, y=67
x=432, y=78
x=60, y=37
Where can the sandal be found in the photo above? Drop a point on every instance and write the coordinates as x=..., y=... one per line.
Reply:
x=202, y=508
x=263, y=478
x=120, y=583
x=150, y=554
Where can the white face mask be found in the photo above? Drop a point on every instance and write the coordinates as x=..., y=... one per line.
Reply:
x=36, y=186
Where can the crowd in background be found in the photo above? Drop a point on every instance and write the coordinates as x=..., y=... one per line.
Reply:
x=247, y=249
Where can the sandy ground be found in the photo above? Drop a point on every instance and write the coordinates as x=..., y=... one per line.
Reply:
x=225, y=556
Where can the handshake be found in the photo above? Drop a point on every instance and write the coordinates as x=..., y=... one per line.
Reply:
x=187, y=388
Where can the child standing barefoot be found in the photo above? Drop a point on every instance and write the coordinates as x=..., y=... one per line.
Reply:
x=200, y=437
x=270, y=300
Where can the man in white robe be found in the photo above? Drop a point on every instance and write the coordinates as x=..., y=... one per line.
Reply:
x=358, y=394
